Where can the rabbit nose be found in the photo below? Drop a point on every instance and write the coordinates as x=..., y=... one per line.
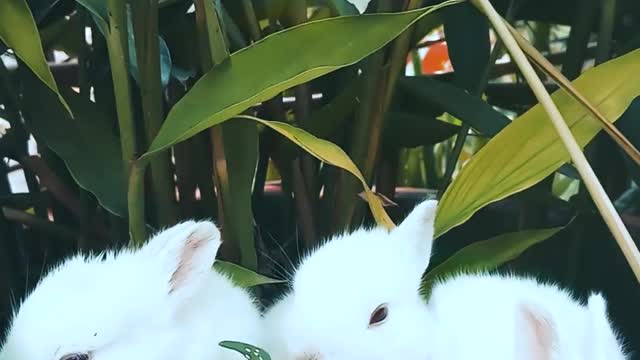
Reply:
x=309, y=356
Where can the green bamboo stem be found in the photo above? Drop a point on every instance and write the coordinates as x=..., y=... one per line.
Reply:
x=214, y=51
x=118, y=58
x=145, y=15
x=365, y=141
x=579, y=38
x=304, y=168
x=607, y=24
x=135, y=203
x=375, y=100
x=598, y=194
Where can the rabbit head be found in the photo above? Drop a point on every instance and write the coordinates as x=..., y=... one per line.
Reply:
x=352, y=295
x=161, y=301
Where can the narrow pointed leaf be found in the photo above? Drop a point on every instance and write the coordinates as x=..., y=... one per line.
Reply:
x=331, y=154
x=546, y=66
x=233, y=86
x=406, y=130
x=470, y=109
x=82, y=142
x=487, y=255
x=241, y=276
x=19, y=32
x=529, y=149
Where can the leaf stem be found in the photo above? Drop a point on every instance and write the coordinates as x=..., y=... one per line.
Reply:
x=602, y=201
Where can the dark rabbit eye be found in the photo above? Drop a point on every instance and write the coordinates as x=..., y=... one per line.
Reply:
x=379, y=315
x=76, y=356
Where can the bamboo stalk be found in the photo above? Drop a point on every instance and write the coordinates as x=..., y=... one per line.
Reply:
x=602, y=201
x=367, y=130
x=239, y=245
x=304, y=167
x=145, y=25
x=119, y=60
x=135, y=203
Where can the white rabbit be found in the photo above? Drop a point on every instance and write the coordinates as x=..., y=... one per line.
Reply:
x=357, y=297
x=160, y=302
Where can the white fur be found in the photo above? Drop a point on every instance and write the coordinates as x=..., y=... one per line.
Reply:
x=161, y=302
x=495, y=316
x=338, y=286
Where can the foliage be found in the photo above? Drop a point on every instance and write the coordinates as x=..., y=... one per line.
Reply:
x=288, y=121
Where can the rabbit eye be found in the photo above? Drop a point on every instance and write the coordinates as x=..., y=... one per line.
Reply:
x=76, y=356
x=379, y=315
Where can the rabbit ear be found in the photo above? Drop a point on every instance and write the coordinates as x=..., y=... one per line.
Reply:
x=417, y=227
x=603, y=338
x=535, y=333
x=186, y=253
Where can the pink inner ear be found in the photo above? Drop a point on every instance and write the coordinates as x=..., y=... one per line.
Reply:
x=192, y=245
x=536, y=333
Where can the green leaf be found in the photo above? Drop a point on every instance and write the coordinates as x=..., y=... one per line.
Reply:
x=99, y=12
x=457, y=102
x=241, y=276
x=87, y=143
x=233, y=86
x=331, y=154
x=327, y=121
x=343, y=7
x=487, y=255
x=19, y=32
x=467, y=33
x=408, y=130
x=529, y=149
x=250, y=352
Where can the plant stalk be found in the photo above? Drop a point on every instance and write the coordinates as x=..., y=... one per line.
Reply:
x=602, y=201
x=237, y=224
x=607, y=24
x=304, y=168
x=365, y=136
x=118, y=58
x=135, y=202
x=145, y=24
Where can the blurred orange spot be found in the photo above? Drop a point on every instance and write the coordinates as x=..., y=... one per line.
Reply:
x=437, y=59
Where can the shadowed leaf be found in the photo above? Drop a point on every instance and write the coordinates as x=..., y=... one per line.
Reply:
x=487, y=255
x=82, y=142
x=241, y=276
